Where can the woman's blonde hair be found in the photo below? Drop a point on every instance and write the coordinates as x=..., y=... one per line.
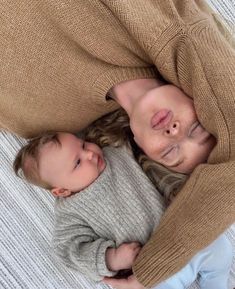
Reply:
x=27, y=159
x=113, y=129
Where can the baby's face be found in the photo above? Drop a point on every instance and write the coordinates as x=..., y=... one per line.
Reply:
x=73, y=165
x=165, y=126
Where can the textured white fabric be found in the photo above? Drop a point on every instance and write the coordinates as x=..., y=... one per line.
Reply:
x=26, y=220
x=226, y=8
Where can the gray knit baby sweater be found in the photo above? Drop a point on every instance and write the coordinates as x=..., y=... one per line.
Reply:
x=121, y=205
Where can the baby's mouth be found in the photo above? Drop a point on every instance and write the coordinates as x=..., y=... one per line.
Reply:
x=161, y=119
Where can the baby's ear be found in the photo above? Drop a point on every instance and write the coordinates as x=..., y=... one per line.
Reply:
x=59, y=192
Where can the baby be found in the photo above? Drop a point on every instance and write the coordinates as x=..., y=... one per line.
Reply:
x=97, y=216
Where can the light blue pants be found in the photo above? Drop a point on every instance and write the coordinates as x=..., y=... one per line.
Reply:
x=212, y=265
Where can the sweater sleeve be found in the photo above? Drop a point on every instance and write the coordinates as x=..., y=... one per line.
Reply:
x=200, y=61
x=78, y=247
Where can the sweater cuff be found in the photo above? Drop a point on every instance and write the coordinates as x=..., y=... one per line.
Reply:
x=146, y=267
x=102, y=269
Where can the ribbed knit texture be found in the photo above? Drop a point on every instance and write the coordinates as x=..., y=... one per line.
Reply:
x=121, y=206
x=58, y=61
x=60, y=58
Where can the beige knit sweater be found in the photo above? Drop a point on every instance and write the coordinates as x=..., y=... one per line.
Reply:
x=59, y=59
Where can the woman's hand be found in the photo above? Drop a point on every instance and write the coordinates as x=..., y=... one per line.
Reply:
x=129, y=283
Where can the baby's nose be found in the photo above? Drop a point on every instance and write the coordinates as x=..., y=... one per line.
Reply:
x=173, y=129
x=89, y=155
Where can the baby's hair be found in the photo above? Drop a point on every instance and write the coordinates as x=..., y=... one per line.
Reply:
x=27, y=159
x=114, y=129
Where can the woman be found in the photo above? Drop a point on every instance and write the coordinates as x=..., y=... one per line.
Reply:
x=58, y=61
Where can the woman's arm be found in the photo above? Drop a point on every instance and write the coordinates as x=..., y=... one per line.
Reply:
x=202, y=63
x=186, y=46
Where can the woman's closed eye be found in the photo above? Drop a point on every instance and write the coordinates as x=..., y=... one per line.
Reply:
x=172, y=157
x=170, y=153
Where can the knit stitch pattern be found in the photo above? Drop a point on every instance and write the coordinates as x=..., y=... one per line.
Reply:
x=121, y=205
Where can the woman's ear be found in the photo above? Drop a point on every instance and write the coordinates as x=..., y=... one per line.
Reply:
x=59, y=192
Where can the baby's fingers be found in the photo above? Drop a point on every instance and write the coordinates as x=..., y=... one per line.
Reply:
x=135, y=245
x=134, y=248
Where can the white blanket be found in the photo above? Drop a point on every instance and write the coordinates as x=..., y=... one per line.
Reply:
x=26, y=221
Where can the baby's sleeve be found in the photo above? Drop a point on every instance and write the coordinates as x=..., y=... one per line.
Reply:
x=78, y=247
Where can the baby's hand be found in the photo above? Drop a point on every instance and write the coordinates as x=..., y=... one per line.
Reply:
x=123, y=257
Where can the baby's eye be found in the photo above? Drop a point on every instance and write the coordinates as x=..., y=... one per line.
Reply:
x=78, y=163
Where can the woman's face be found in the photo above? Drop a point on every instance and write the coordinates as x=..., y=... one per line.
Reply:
x=165, y=126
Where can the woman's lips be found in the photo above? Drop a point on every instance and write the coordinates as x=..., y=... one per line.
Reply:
x=161, y=119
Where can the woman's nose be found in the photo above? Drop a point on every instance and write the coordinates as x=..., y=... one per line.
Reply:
x=173, y=129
